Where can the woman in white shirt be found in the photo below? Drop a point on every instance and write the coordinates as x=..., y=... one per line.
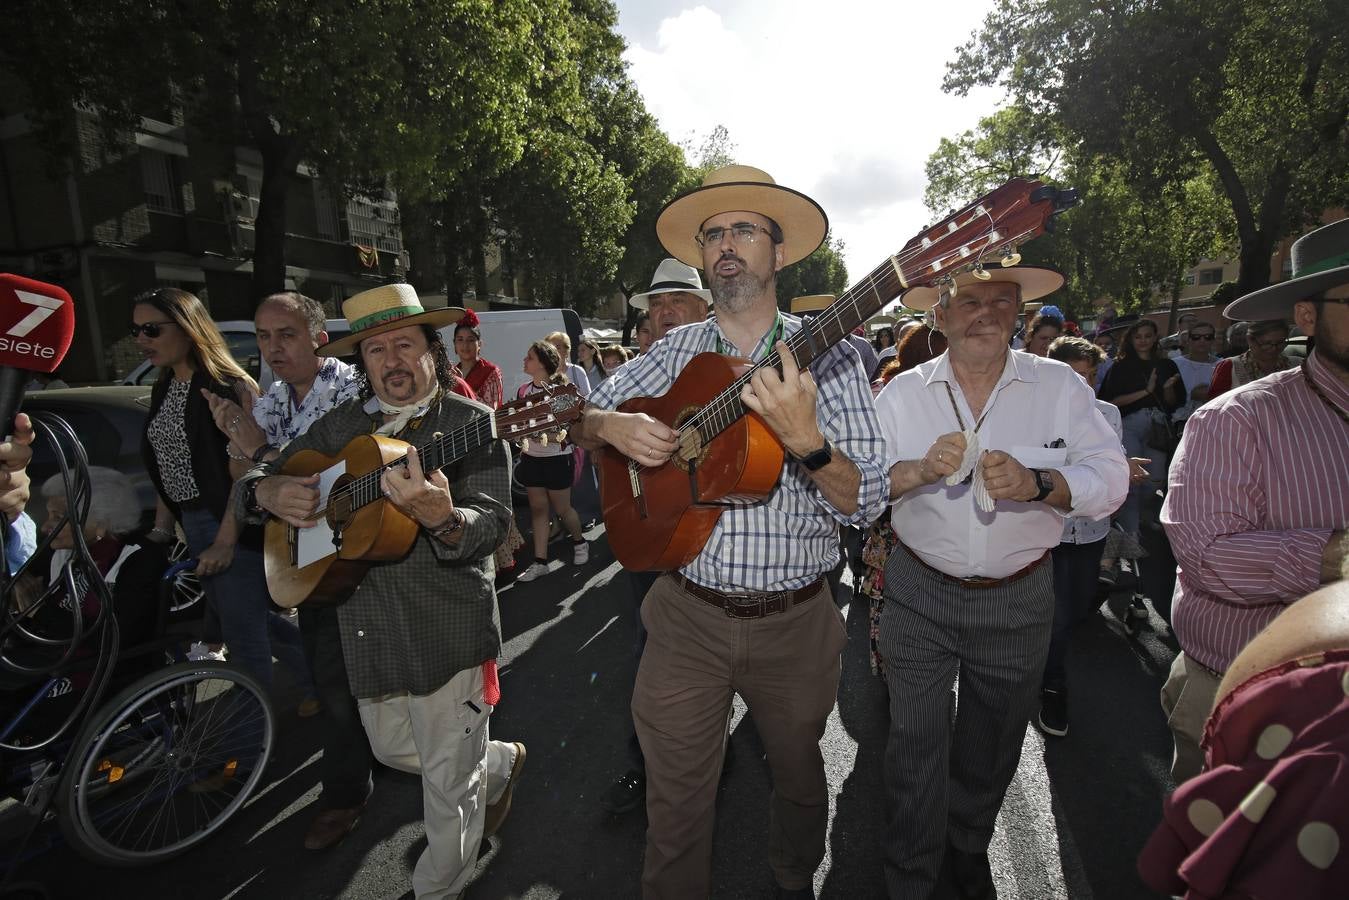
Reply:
x=546, y=470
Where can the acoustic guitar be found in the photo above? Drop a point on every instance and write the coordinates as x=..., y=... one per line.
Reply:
x=366, y=528
x=658, y=518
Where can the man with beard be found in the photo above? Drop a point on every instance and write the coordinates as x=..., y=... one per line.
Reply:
x=751, y=614
x=1258, y=501
x=421, y=634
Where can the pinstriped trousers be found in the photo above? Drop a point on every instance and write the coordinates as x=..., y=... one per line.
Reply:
x=945, y=780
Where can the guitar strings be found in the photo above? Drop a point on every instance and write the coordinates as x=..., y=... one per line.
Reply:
x=727, y=404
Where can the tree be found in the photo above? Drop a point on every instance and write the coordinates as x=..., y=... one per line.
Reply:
x=1255, y=95
x=418, y=91
x=1127, y=237
x=823, y=272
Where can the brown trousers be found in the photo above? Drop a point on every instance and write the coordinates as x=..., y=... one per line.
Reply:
x=786, y=668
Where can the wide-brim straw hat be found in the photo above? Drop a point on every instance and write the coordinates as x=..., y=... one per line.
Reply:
x=1320, y=262
x=741, y=189
x=1035, y=282
x=672, y=276
x=382, y=309
x=811, y=303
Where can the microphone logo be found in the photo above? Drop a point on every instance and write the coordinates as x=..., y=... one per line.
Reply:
x=38, y=321
x=43, y=307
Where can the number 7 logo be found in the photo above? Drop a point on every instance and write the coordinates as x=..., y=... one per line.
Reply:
x=43, y=307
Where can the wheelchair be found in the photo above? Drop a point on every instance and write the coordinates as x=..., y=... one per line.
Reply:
x=136, y=754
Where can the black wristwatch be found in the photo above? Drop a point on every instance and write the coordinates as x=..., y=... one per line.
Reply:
x=251, y=498
x=1044, y=479
x=818, y=459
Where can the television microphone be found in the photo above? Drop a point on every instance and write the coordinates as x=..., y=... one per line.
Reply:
x=37, y=321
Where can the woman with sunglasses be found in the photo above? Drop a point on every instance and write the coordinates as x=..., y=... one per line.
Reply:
x=1196, y=367
x=1265, y=341
x=193, y=475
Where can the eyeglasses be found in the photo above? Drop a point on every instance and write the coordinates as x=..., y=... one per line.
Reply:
x=1207, y=336
x=149, y=329
x=741, y=233
x=1269, y=345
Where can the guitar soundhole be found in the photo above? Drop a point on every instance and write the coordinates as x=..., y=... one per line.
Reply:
x=340, y=511
x=692, y=450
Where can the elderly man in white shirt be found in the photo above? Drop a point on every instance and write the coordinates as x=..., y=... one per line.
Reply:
x=989, y=451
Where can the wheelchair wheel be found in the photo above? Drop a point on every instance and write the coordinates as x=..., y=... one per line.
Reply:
x=186, y=592
x=165, y=764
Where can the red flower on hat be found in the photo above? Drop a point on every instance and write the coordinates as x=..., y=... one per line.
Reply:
x=470, y=319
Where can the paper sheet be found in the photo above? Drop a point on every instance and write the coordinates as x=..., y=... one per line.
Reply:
x=316, y=543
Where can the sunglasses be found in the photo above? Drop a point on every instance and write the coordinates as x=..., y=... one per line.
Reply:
x=149, y=329
x=1201, y=337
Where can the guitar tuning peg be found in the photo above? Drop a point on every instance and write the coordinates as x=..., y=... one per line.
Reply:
x=524, y=443
x=543, y=440
x=561, y=435
x=1010, y=258
x=980, y=274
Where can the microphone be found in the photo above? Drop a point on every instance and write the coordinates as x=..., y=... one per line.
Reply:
x=37, y=321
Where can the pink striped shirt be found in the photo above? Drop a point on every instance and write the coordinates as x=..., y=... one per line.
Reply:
x=1259, y=482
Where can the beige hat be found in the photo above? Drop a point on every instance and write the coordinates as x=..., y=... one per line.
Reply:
x=383, y=309
x=672, y=276
x=811, y=303
x=1036, y=282
x=741, y=189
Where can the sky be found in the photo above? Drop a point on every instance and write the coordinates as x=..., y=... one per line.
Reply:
x=841, y=100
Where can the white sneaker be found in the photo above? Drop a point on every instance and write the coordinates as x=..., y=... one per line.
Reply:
x=580, y=553
x=200, y=652
x=535, y=570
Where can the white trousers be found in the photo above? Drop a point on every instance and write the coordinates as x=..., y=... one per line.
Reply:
x=443, y=738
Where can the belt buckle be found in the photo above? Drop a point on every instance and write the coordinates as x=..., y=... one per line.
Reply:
x=975, y=581
x=744, y=606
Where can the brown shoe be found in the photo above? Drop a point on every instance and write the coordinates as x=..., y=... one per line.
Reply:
x=497, y=812
x=330, y=826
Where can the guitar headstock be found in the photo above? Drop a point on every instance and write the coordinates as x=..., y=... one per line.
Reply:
x=986, y=232
x=547, y=412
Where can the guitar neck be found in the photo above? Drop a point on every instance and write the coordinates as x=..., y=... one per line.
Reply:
x=818, y=333
x=444, y=450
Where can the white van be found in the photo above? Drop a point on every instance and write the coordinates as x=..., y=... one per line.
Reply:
x=506, y=335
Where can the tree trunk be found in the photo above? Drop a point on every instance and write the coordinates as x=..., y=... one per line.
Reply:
x=269, y=228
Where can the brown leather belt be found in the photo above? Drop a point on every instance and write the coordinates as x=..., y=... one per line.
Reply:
x=975, y=581
x=749, y=605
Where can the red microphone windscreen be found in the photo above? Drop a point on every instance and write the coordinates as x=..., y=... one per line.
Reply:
x=37, y=321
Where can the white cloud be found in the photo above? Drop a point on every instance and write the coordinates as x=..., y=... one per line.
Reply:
x=841, y=100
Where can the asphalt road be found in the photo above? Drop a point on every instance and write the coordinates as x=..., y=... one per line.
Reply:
x=1072, y=825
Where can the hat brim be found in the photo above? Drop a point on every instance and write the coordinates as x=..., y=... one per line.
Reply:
x=436, y=318
x=802, y=220
x=1276, y=301
x=643, y=301
x=1035, y=282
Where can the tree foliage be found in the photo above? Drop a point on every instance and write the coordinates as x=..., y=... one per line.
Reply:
x=1251, y=95
x=1123, y=241
x=823, y=272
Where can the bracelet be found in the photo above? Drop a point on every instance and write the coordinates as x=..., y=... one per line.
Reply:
x=157, y=530
x=229, y=451
x=452, y=524
x=261, y=452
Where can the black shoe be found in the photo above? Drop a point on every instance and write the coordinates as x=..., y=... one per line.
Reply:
x=972, y=874
x=1138, y=609
x=625, y=794
x=1053, y=719
x=1127, y=579
x=1107, y=578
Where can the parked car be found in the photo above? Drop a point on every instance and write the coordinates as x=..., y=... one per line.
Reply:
x=109, y=421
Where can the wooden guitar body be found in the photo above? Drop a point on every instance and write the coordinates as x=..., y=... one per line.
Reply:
x=660, y=518
x=376, y=532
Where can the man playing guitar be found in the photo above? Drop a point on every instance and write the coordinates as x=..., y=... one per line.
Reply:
x=420, y=634
x=751, y=613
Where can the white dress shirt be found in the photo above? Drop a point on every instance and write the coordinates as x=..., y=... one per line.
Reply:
x=1042, y=413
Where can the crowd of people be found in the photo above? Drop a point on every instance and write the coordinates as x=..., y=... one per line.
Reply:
x=997, y=472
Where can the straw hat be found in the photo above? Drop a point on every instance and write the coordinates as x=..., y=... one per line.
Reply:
x=383, y=309
x=1320, y=262
x=741, y=189
x=1035, y=281
x=811, y=303
x=672, y=276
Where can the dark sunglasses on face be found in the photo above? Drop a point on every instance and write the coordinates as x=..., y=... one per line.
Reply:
x=149, y=329
x=1205, y=336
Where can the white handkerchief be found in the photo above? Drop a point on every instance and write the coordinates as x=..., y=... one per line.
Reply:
x=981, y=497
x=968, y=460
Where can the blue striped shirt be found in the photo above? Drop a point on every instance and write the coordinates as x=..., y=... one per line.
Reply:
x=790, y=538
